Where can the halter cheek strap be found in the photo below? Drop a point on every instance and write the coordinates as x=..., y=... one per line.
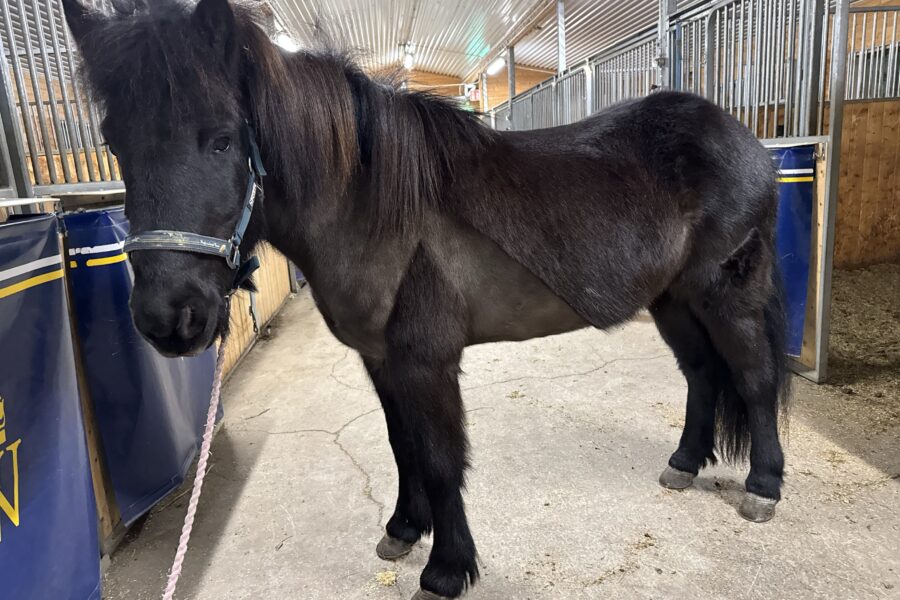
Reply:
x=228, y=249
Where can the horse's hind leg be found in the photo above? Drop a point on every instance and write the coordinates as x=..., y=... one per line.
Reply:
x=425, y=337
x=412, y=515
x=745, y=328
x=700, y=363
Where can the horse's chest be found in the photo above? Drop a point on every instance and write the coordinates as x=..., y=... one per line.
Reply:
x=355, y=293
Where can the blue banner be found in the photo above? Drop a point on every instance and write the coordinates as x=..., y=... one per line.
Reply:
x=48, y=516
x=150, y=409
x=793, y=235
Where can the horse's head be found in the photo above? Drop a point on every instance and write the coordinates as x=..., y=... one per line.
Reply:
x=170, y=82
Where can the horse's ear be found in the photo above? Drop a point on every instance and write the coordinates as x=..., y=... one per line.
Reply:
x=80, y=18
x=215, y=21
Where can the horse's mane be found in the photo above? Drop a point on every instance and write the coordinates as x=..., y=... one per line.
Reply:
x=330, y=129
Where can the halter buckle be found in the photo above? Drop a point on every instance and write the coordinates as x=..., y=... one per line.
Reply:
x=233, y=254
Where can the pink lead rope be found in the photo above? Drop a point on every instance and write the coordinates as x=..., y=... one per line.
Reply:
x=198, y=478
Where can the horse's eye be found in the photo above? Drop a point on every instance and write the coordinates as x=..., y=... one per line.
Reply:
x=221, y=144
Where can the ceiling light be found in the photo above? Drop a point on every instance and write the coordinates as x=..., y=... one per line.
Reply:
x=496, y=66
x=287, y=42
x=409, y=55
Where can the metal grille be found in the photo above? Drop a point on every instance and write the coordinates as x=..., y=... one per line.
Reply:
x=501, y=117
x=687, y=44
x=626, y=73
x=872, y=55
x=536, y=108
x=571, y=92
x=58, y=128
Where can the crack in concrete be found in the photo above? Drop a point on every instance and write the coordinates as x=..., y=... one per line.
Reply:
x=367, y=487
x=336, y=440
x=342, y=383
x=565, y=375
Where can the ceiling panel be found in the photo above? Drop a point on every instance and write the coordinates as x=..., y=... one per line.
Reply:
x=591, y=25
x=451, y=36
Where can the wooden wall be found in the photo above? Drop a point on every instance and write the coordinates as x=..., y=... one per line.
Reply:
x=445, y=85
x=526, y=78
x=498, y=87
x=868, y=212
x=274, y=285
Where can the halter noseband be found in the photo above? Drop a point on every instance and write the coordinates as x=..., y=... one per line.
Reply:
x=230, y=249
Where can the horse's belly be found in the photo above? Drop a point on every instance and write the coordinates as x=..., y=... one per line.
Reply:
x=504, y=300
x=517, y=310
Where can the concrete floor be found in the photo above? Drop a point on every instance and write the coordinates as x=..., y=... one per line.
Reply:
x=569, y=434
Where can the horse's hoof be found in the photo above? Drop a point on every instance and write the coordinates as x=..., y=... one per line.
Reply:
x=757, y=508
x=674, y=479
x=390, y=548
x=426, y=595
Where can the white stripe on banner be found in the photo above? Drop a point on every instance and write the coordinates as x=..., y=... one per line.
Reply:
x=795, y=171
x=96, y=249
x=29, y=267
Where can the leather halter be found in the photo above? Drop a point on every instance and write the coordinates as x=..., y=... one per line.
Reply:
x=228, y=249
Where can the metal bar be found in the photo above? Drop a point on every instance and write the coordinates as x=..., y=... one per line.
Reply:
x=850, y=61
x=13, y=147
x=877, y=90
x=770, y=59
x=792, y=76
x=84, y=124
x=67, y=106
x=51, y=92
x=79, y=188
x=810, y=95
x=870, y=53
x=13, y=53
x=36, y=91
x=823, y=57
x=757, y=67
x=511, y=77
x=665, y=8
x=751, y=39
x=739, y=87
x=107, y=166
x=560, y=36
x=832, y=175
x=861, y=57
x=807, y=140
x=892, y=62
x=779, y=56
x=710, y=79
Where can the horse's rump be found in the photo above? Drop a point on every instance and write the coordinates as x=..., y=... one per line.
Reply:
x=608, y=211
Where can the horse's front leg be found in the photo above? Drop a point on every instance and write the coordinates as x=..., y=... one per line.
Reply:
x=425, y=337
x=412, y=515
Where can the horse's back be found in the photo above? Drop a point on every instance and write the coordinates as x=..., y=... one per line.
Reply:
x=611, y=210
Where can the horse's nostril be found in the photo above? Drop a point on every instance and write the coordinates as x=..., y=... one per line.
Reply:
x=188, y=325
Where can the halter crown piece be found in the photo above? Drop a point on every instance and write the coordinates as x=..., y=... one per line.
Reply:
x=230, y=249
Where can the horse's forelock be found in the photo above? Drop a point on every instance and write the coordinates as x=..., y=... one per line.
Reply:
x=155, y=63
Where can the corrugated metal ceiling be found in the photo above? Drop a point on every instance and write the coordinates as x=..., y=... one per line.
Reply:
x=450, y=37
x=591, y=25
x=455, y=37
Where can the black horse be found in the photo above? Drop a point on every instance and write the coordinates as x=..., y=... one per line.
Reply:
x=421, y=232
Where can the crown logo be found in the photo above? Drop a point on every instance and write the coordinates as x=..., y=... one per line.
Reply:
x=9, y=462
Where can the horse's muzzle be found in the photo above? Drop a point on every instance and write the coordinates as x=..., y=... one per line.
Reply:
x=177, y=324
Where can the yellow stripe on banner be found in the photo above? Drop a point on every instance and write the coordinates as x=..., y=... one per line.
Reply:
x=106, y=260
x=30, y=283
x=795, y=179
x=72, y=264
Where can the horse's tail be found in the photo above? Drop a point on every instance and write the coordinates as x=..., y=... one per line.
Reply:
x=732, y=419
